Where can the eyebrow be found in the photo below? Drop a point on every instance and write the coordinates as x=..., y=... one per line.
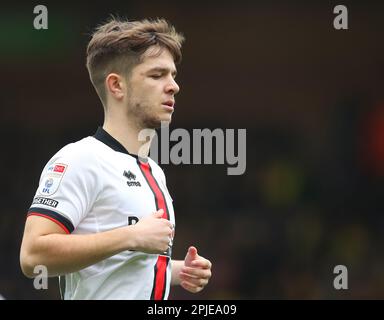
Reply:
x=162, y=70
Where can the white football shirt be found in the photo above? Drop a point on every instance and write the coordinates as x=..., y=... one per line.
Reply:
x=95, y=185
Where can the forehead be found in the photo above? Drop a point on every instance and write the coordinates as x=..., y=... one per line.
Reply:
x=156, y=57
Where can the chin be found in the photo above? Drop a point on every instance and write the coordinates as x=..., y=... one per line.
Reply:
x=158, y=123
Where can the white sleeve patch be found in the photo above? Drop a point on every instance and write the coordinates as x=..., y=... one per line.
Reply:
x=69, y=183
x=50, y=182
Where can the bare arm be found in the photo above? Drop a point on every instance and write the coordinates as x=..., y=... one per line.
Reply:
x=45, y=243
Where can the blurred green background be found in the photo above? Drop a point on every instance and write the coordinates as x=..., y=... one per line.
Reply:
x=310, y=97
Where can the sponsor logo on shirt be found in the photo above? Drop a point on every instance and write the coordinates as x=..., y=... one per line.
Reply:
x=52, y=178
x=132, y=220
x=45, y=201
x=131, y=177
x=59, y=168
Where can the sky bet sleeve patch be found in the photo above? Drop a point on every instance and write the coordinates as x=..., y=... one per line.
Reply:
x=52, y=178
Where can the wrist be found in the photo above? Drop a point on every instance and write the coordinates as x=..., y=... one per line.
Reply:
x=131, y=241
x=176, y=269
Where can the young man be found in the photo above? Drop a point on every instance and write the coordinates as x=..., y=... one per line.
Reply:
x=102, y=215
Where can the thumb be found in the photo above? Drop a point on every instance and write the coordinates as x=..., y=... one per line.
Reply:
x=191, y=255
x=158, y=213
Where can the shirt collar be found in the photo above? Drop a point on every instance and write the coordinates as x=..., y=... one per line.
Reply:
x=111, y=142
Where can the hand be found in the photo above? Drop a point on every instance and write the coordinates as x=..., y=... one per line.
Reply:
x=196, y=272
x=152, y=233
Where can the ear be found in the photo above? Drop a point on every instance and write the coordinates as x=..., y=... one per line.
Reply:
x=115, y=85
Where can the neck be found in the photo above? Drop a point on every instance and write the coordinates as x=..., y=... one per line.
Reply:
x=127, y=133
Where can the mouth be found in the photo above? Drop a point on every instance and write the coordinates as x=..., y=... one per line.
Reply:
x=169, y=103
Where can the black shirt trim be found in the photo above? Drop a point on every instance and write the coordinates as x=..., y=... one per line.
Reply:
x=111, y=142
x=54, y=215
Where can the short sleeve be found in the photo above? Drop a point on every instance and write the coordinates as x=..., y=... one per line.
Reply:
x=68, y=187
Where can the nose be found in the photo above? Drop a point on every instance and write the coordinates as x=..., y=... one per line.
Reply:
x=172, y=87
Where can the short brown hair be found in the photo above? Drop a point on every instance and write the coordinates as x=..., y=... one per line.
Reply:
x=118, y=45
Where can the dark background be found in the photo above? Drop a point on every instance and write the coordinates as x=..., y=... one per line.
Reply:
x=310, y=97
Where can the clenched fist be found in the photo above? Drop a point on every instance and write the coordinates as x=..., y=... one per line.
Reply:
x=152, y=234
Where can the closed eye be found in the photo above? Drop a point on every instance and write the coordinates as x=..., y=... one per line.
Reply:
x=157, y=73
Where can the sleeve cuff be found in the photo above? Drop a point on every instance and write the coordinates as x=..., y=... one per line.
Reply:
x=62, y=221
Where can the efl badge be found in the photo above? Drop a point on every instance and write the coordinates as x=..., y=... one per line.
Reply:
x=52, y=178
